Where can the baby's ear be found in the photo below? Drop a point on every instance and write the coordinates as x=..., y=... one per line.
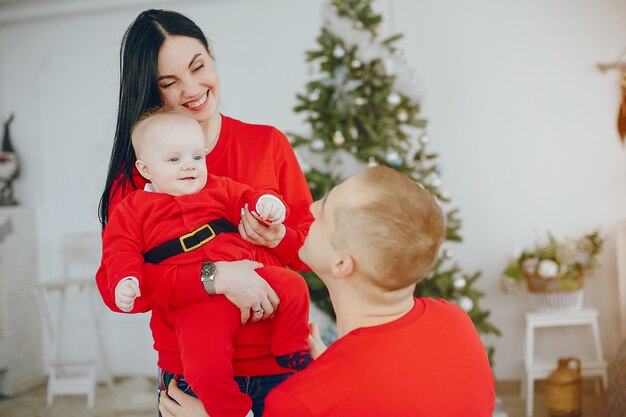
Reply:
x=143, y=169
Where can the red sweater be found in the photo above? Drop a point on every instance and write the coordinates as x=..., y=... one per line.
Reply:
x=430, y=362
x=261, y=157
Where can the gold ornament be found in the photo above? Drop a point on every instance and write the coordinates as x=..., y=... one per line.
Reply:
x=338, y=138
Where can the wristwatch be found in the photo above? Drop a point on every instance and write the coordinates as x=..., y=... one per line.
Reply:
x=207, y=276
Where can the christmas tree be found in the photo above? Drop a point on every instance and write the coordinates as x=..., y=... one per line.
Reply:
x=361, y=107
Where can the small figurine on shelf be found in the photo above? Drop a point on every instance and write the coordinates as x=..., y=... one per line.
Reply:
x=9, y=167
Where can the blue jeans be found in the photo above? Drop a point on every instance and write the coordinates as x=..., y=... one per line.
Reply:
x=256, y=387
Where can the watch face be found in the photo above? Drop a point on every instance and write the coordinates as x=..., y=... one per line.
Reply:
x=208, y=270
x=8, y=165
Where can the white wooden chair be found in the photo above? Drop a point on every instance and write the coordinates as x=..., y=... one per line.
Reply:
x=70, y=374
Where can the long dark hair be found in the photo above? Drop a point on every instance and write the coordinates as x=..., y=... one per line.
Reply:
x=139, y=89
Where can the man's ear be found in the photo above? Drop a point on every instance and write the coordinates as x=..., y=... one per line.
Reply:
x=143, y=169
x=343, y=264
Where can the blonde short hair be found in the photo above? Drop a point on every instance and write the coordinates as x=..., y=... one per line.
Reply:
x=394, y=231
x=155, y=111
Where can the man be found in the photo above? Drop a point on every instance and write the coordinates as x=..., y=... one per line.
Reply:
x=375, y=236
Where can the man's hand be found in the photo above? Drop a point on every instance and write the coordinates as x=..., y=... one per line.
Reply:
x=316, y=345
x=252, y=230
x=183, y=405
x=125, y=293
x=240, y=283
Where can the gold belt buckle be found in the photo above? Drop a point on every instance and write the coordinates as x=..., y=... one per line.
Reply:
x=183, y=237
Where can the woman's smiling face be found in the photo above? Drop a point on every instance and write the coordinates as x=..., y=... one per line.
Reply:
x=187, y=77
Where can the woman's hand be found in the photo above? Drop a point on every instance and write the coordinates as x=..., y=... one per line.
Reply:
x=255, y=232
x=187, y=406
x=240, y=283
x=316, y=345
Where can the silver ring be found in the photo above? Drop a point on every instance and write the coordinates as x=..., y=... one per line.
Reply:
x=259, y=311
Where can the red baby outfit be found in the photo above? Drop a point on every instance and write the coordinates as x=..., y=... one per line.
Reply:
x=204, y=329
x=261, y=157
x=430, y=362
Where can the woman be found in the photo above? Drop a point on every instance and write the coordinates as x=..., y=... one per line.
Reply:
x=166, y=60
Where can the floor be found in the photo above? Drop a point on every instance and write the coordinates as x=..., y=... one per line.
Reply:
x=510, y=401
x=135, y=397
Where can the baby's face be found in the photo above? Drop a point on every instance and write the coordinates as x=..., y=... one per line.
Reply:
x=174, y=156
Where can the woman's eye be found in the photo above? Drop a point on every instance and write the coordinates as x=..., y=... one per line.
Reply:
x=167, y=85
x=198, y=68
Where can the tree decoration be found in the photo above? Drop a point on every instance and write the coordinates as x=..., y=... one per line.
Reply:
x=365, y=96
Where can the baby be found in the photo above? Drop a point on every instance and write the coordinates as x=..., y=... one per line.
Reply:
x=187, y=216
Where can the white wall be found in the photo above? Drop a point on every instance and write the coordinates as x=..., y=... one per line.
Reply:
x=524, y=123
x=525, y=126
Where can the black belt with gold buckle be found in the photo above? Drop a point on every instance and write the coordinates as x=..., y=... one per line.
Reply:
x=189, y=241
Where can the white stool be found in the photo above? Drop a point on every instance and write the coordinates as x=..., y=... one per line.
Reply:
x=540, y=369
x=71, y=375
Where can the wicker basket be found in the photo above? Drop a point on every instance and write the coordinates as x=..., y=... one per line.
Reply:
x=548, y=294
x=557, y=300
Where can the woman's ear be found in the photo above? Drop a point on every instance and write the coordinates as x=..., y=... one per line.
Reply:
x=143, y=169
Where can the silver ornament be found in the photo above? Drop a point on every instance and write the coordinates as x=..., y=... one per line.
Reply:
x=356, y=64
x=459, y=283
x=354, y=132
x=359, y=101
x=393, y=157
x=448, y=253
x=317, y=145
x=403, y=115
x=394, y=99
x=424, y=139
x=339, y=52
x=466, y=303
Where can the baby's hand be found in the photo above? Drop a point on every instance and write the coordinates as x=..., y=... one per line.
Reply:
x=126, y=292
x=270, y=209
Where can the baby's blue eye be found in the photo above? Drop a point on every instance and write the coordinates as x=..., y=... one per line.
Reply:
x=197, y=158
x=174, y=159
